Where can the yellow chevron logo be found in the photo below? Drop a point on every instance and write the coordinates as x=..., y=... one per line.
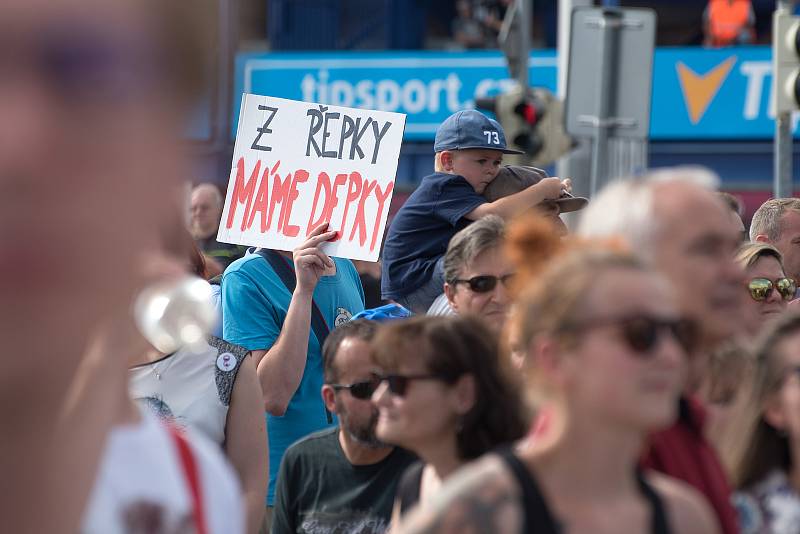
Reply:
x=699, y=89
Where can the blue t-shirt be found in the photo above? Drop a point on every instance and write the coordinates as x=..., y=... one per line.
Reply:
x=254, y=306
x=421, y=230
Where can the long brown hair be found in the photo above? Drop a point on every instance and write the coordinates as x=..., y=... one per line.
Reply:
x=452, y=347
x=756, y=447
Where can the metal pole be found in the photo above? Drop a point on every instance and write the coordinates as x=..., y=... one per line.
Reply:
x=576, y=164
x=524, y=10
x=782, y=152
x=609, y=25
x=782, y=182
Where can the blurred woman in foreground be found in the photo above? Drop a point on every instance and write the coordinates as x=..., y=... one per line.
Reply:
x=763, y=456
x=606, y=348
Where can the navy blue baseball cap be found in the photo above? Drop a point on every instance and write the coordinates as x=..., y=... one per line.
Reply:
x=469, y=128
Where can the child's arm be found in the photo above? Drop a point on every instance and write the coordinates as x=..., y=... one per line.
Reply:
x=512, y=205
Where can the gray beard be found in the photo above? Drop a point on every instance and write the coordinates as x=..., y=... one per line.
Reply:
x=371, y=442
x=363, y=436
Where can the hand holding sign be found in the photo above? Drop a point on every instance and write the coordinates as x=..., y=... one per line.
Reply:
x=310, y=263
x=298, y=165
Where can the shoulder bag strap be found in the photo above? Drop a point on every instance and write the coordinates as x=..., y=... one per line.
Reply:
x=192, y=475
x=285, y=272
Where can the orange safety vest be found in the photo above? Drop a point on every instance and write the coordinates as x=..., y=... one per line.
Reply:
x=727, y=19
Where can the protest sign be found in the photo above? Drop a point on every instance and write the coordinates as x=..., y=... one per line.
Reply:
x=297, y=165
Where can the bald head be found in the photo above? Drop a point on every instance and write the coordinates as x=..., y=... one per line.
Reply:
x=206, y=210
x=674, y=219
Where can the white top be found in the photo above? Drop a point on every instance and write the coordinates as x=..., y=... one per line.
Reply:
x=191, y=389
x=141, y=485
x=441, y=306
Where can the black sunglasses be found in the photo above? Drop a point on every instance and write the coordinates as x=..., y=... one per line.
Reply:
x=398, y=384
x=642, y=333
x=761, y=288
x=359, y=390
x=485, y=282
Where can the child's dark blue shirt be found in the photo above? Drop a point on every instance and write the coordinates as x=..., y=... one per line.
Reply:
x=421, y=230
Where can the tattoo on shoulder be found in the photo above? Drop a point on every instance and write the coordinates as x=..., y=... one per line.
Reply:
x=480, y=499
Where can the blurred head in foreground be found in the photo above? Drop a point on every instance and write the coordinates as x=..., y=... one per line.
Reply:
x=93, y=94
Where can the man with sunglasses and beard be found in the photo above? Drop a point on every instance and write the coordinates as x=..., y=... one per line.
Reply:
x=672, y=219
x=342, y=479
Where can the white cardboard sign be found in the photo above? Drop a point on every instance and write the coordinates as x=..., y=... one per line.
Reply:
x=297, y=165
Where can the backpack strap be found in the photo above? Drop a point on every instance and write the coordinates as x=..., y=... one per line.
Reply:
x=192, y=476
x=285, y=272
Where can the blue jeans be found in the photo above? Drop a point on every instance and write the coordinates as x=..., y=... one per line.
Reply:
x=421, y=298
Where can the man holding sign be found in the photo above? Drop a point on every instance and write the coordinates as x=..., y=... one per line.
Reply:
x=316, y=180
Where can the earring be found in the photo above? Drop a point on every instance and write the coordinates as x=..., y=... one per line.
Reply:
x=460, y=424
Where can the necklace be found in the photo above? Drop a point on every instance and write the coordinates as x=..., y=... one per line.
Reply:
x=159, y=367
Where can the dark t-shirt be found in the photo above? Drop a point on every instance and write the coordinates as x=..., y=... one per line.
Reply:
x=224, y=253
x=421, y=230
x=320, y=491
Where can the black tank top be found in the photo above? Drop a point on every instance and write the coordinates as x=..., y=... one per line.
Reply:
x=538, y=518
x=409, y=486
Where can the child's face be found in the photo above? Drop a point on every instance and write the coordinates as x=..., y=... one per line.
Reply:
x=479, y=166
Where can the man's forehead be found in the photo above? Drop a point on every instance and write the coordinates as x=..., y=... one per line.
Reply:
x=685, y=205
x=790, y=223
x=202, y=195
x=352, y=352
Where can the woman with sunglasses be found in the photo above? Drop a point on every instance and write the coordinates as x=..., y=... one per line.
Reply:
x=770, y=290
x=476, y=272
x=607, y=354
x=443, y=395
x=763, y=452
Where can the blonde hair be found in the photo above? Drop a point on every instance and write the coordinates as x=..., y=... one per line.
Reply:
x=749, y=253
x=437, y=163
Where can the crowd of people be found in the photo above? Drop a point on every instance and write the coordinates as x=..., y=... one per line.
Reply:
x=639, y=375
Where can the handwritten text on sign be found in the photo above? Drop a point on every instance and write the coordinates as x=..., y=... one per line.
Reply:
x=297, y=165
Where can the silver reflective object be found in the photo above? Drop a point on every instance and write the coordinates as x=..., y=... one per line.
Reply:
x=175, y=314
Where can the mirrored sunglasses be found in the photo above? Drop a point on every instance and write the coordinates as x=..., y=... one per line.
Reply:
x=761, y=288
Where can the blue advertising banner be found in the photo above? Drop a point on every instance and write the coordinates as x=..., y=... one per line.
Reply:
x=708, y=94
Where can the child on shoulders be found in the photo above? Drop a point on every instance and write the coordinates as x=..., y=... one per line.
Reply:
x=469, y=150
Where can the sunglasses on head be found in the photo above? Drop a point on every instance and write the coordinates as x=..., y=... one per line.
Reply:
x=642, y=334
x=485, y=282
x=398, y=384
x=359, y=390
x=761, y=288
